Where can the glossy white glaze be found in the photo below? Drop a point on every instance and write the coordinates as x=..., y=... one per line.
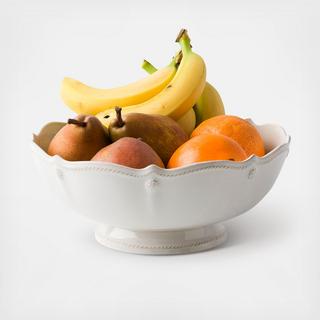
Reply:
x=162, y=242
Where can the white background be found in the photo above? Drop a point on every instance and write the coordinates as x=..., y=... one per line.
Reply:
x=263, y=57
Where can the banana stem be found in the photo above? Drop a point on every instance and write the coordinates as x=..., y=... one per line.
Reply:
x=77, y=122
x=184, y=41
x=119, y=117
x=150, y=68
x=147, y=66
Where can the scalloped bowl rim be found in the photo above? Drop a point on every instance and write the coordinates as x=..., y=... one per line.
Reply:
x=194, y=167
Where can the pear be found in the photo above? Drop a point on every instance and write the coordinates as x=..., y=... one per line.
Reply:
x=80, y=139
x=130, y=152
x=161, y=133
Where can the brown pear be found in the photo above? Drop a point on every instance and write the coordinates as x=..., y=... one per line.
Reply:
x=160, y=132
x=80, y=139
x=129, y=152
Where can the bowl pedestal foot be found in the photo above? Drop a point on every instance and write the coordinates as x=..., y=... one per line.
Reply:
x=162, y=242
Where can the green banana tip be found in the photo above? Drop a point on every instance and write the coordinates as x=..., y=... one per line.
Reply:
x=184, y=41
x=148, y=66
x=145, y=63
x=182, y=34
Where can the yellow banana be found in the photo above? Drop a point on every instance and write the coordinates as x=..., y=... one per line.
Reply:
x=209, y=104
x=180, y=94
x=188, y=120
x=87, y=100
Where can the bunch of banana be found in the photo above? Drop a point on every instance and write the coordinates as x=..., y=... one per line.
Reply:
x=188, y=120
x=208, y=105
x=87, y=100
x=178, y=90
x=181, y=93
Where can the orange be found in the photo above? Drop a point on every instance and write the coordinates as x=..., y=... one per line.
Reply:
x=236, y=128
x=206, y=147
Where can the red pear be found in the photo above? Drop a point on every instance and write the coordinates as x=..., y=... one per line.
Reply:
x=129, y=152
x=80, y=139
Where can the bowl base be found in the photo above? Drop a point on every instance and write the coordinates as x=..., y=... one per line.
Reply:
x=161, y=242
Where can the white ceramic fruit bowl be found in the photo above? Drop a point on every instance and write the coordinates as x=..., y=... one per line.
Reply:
x=161, y=211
